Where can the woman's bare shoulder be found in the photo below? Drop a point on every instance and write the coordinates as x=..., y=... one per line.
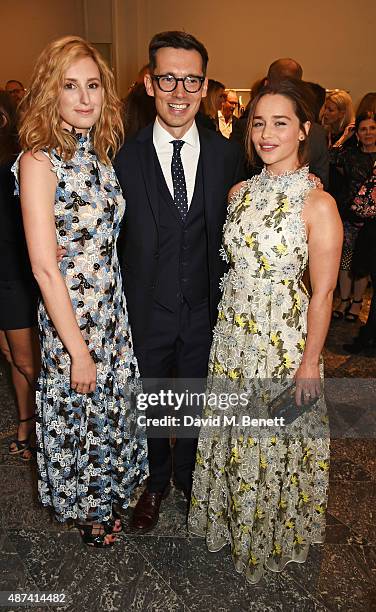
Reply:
x=320, y=201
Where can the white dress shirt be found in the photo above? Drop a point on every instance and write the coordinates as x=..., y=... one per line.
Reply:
x=190, y=153
x=225, y=127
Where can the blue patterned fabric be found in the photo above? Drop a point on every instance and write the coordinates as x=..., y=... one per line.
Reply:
x=91, y=452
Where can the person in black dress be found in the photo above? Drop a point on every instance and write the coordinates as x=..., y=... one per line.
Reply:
x=354, y=166
x=18, y=294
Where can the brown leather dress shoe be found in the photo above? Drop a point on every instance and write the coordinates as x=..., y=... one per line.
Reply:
x=146, y=513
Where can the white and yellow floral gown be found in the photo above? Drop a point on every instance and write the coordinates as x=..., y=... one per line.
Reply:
x=263, y=493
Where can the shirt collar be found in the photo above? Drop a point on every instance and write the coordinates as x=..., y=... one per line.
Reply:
x=162, y=138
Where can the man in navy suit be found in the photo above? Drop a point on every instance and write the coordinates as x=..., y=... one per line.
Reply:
x=175, y=178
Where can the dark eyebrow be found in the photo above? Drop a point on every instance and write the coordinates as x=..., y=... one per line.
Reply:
x=274, y=117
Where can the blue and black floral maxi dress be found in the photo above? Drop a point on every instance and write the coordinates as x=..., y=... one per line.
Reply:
x=91, y=453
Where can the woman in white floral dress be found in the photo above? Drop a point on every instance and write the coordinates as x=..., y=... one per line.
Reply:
x=265, y=492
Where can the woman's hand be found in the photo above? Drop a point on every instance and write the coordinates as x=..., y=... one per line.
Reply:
x=83, y=374
x=308, y=384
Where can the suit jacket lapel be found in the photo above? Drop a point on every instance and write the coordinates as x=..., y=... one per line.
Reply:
x=146, y=153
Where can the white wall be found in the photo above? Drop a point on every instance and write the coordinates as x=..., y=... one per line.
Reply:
x=26, y=26
x=334, y=40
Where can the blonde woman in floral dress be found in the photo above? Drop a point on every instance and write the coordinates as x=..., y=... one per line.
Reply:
x=91, y=453
x=265, y=492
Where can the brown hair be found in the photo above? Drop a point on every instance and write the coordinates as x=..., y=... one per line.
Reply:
x=294, y=91
x=176, y=40
x=40, y=125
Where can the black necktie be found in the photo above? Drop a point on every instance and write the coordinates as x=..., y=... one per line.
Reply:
x=178, y=180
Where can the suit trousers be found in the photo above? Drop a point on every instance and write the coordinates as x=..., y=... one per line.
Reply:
x=178, y=345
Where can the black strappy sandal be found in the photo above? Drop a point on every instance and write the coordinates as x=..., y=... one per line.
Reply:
x=95, y=540
x=114, y=524
x=337, y=315
x=352, y=317
x=21, y=446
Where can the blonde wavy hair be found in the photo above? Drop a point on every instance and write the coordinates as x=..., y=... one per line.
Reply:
x=344, y=103
x=40, y=121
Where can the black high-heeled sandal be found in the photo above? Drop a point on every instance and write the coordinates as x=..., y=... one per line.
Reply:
x=21, y=446
x=337, y=315
x=350, y=316
x=114, y=524
x=95, y=540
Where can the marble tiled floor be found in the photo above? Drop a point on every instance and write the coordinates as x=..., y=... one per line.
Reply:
x=169, y=571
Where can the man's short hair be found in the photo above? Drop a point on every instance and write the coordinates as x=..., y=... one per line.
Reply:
x=176, y=40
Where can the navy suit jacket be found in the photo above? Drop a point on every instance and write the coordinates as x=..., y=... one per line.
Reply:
x=138, y=245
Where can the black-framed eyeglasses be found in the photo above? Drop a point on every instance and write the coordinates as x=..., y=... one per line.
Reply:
x=168, y=82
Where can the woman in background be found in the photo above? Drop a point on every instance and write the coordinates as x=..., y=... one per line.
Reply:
x=91, y=453
x=338, y=116
x=211, y=104
x=354, y=165
x=18, y=290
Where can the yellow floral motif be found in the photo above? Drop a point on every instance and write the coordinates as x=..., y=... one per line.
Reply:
x=282, y=504
x=245, y=487
x=259, y=514
x=289, y=524
x=277, y=550
x=194, y=501
x=304, y=497
x=264, y=263
x=244, y=528
x=281, y=248
x=250, y=241
x=253, y=560
x=221, y=315
x=218, y=368
x=251, y=441
x=323, y=465
x=287, y=361
x=274, y=338
x=233, y=374
x=234, y=455
x=251, y=327
x=263, y=462
x=199, y=459
x=297, y=301
x=235, y=504
x=301, y=344
x=273, y=440
x=320, y=509
x=239, y=320
x=285, y=205
x=299, y=540
x=241, y=439
x=294, y=480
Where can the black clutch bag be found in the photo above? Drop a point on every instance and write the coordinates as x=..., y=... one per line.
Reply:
x=284, y=406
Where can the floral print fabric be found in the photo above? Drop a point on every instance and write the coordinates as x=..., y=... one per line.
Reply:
x=263, y=492
x=91, y=452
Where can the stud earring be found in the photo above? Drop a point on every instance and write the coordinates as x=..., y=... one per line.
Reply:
x=301, y=138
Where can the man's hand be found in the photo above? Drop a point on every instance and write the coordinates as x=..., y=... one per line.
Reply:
x=315, y=179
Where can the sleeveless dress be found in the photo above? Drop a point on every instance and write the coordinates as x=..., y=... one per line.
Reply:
x=91, y=453
x=263, y=491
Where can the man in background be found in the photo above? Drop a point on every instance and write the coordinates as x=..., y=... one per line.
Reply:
x=16, y=90
x=226, y=116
